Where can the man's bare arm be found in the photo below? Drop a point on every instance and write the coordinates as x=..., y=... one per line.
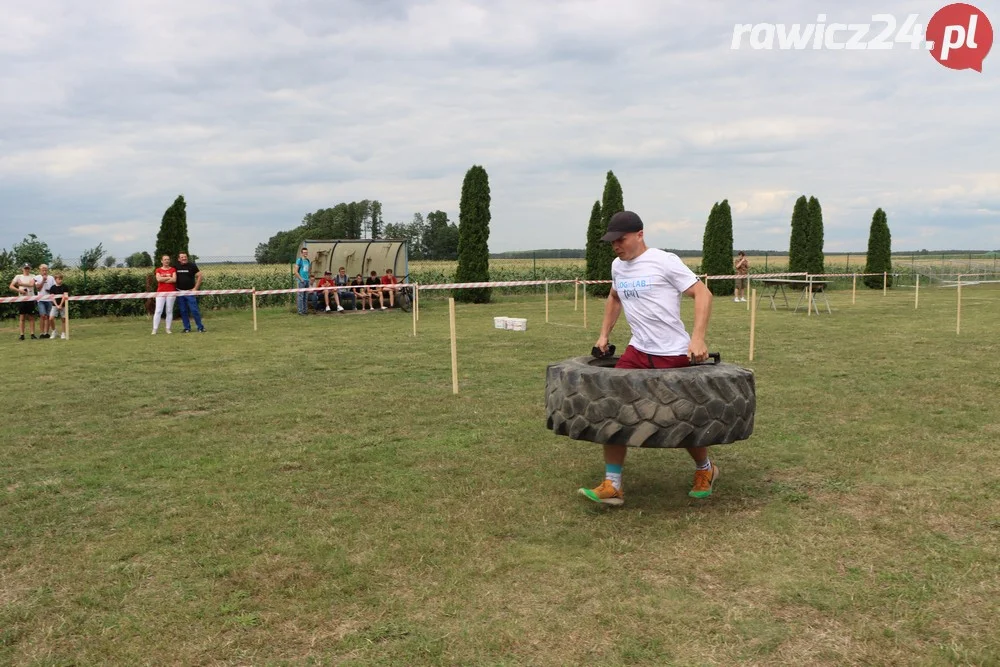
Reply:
x=698, y=350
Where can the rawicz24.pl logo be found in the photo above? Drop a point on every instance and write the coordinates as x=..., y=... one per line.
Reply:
x=959, y=36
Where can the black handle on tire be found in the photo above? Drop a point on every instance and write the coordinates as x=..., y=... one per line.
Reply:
x=597, y=354
x=714, y=357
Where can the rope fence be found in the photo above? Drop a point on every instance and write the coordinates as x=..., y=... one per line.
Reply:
x=795, y=279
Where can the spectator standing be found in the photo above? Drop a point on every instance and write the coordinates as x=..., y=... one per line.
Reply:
x=742, y=269
x=166, y=293
x=302, y=267
x=188, y=281
x=24, y=285
x=60, y=302
x=44, y=282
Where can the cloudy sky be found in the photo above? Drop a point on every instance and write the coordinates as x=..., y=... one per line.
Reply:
x=259, y=111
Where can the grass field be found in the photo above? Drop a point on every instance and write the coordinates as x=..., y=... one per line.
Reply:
x=313, y=493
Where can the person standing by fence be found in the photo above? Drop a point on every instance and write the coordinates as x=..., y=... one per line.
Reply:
x=44, y=282
x=302, y=265
x=188, y=281
x=166, y=291
x=60, y=304
x=24, y=285
x=742, y=266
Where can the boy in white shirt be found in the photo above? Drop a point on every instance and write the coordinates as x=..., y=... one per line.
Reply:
x=43, y=283
x=647, y=284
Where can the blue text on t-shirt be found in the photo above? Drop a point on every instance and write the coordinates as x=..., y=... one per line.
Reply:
x=630, y=288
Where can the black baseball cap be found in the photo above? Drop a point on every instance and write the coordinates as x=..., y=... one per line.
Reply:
x=622, y=223
x=327, y=273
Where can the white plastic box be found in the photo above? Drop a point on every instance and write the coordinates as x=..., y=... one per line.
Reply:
x=517, y=323
x=499, y=322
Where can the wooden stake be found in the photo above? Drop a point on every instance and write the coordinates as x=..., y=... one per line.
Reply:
x=413, y=311
x=585, y=305
x=546, y=301
x=254, y=306
x=576, y=295
x=66, y=317
x=809, y=298
x=416, y=300
x=753, y=320
x=958, y=319
x=885, y=282
x=916, y=297
x=854, y=290
x=454, y=346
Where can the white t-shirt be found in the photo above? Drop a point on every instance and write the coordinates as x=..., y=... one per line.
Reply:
x=26, y=284
x=650, y=288
x=44, y=285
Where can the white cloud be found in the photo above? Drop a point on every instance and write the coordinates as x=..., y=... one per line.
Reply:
x=117, y=232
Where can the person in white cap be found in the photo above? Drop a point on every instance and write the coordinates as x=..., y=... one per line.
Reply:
x=24, y=285
x=647, y=284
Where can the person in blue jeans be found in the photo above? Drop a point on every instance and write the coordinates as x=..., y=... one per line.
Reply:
x=188, y=281
x=302, y=265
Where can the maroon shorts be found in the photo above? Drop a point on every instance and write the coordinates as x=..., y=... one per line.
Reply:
x=633, y=358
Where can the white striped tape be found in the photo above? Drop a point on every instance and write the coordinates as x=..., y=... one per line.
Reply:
x=399, y=286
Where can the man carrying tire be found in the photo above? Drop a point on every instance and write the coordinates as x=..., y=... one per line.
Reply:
x=647, y=283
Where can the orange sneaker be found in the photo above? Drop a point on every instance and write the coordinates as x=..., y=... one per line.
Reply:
x=606, y=494
x=704, y=480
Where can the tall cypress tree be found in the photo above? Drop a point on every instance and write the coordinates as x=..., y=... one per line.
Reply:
x=798, y=247
x=173, y=235
x=594, y=243
x=474, y=236
x=612, y=202
x=879, y=257
x=815, y=262
x=717, y=248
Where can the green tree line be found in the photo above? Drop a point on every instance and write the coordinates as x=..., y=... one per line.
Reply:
x=354, y=220
x=433, y=237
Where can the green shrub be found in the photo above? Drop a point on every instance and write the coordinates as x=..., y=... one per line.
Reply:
x=126, y=281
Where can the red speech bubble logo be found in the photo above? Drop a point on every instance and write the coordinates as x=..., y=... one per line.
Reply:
x=961, y=36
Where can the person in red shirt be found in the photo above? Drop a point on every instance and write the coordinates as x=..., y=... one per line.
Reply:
x=327, y=281
x=166, y=293
x=389, y=279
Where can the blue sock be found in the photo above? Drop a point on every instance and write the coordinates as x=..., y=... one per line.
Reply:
x=613, y=472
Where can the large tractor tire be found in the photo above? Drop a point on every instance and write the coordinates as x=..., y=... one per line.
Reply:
x=704, y=404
